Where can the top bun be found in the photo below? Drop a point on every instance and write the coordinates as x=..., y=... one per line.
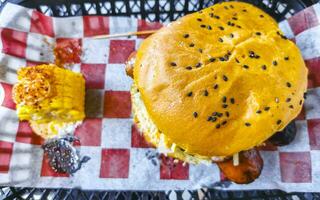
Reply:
x=221, y=80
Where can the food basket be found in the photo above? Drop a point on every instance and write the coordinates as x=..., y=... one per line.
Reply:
x=162, y=11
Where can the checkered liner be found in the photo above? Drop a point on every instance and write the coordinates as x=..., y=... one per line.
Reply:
x=120, y=158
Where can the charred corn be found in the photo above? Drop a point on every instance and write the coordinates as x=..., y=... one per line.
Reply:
x=49, y=94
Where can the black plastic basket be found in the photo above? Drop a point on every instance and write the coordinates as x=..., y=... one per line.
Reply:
x=153, y=10
x=150, y=10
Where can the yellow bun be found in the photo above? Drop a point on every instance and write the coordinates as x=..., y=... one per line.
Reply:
x=153, y=135
x=241, y=49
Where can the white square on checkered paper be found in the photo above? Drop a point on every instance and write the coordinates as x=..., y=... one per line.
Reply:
x=138, y=158
x=308, y=42
x=4, y=179
x=75, y=67
x=301, y=141
x=16, y=17
x=9, y=124
x=9, y=66
x=122, y=24
x=138, y=43
x=25, y=165
x=116, y=78
x=68, y=27
x=40, y=48
x=116, y=133
x=286, y=29
x=316, y=8
x=95, y=51
x=315, y=166
x=271, y=170
x=312, y=103
x=93, y=165
x=201, y=171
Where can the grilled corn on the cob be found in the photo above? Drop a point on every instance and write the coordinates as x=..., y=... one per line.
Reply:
x=49, y=97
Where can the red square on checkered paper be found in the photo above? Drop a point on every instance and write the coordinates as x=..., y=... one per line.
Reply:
x=95, y=25
x=117, y=104
x=13, y=42
x=267, y=146
x=26, y=135
x=94, y=75
x=89, y=132
x=295, y=167
x=303, y=20
x=137, y=139
x=42, y=24
x=6, y=149
x=34, y=63
x=8, y=101
x=171, y=170
x=314, y=133
x=144, y=26
x=120, y=50
x=302, y=114
x=314, y=72
x=46, y=169
x=115, y=163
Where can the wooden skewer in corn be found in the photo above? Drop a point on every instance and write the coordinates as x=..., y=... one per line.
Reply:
x=125, y=34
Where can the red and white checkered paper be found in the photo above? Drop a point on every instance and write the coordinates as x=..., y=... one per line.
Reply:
x=120, y=158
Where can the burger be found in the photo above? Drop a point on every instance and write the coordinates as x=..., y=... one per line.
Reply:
x=215, y=84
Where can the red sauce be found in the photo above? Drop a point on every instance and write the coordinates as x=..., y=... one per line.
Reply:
x=67, y=51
